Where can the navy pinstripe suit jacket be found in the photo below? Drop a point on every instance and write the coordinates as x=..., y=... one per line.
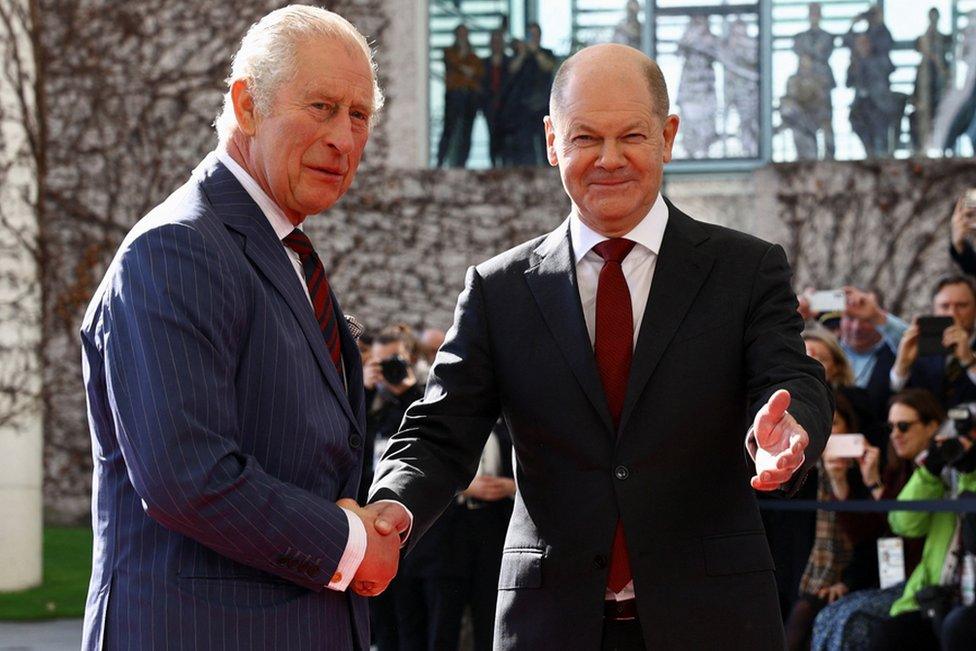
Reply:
x=222, y=436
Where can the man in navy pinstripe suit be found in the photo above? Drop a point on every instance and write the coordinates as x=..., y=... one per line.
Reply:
x=224, y=389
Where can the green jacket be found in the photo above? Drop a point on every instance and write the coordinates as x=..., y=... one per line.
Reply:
x=938, y=529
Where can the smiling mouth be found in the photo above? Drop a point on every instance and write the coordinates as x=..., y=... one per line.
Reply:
x=328, y=171
x=610, y=182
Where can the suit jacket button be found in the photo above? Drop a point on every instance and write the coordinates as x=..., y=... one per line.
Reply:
x=600, y=561
x=621, y=472
x=355, y=441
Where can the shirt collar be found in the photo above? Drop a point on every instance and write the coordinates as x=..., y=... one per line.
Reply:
x=649, y=232
x=275, y=215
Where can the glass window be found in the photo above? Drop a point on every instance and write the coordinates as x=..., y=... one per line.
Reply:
x=752, y=80
x=710, y=60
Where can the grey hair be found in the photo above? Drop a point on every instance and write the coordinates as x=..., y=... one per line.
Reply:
x=266, y=57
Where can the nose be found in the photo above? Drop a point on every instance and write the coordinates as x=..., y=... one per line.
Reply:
x=611, y=156
x=338, y=135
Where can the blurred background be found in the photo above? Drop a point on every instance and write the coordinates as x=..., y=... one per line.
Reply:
x=842, y=129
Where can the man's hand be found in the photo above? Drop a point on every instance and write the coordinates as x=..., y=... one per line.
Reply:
x=382, y=556
x=956, y=338
x=962, y=224
x=490, y=489
x=907, y=350
x=870, y=465
x=780, y=443
x=372, y=373
x=864, y=306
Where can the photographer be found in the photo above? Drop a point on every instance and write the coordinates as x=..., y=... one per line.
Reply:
x=391, y=387
x=949, y=460
x=951, y=377
x=390, y=379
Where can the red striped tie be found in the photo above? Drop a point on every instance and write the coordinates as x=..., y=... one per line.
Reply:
x=614, y=348
x=318, y=290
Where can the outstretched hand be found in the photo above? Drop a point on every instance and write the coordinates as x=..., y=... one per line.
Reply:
x=382, y=558
x=780, y=442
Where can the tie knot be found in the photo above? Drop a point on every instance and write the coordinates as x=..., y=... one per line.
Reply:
x=298, y=242
x=614, y=250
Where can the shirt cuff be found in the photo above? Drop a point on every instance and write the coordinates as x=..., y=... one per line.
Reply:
x=353, y=556
x=898, y=382
x=405, y=534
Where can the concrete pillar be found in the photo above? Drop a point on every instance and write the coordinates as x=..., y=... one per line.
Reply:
x=403, y=57
x=20, y=329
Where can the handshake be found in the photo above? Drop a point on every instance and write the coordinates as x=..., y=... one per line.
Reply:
x=385, y=522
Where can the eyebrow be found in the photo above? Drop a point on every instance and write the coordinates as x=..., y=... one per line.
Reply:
x=358, y=104
x=583, y=126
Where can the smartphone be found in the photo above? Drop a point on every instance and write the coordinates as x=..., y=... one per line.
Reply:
x=828, y=300
x=845, y=446
x=930, y=330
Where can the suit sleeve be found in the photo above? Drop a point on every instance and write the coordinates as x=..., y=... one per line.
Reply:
x=173, y=317
x=436, y=452
x=966, y=261
x=775, y=358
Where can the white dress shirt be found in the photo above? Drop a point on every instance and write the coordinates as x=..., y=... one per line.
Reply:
x=638, y=268
x=355, y=550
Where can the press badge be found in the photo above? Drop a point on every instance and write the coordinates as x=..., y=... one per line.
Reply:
x=891, y=562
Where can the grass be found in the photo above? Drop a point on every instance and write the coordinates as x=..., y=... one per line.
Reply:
x=67, y=568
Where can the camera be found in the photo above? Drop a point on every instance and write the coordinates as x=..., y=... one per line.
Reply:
x=962, y=424
x=394, y=369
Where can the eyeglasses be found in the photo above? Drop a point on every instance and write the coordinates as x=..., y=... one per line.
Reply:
x=902, y=425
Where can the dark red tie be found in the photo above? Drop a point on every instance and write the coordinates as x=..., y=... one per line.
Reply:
x=614, y=348
x=318, y=290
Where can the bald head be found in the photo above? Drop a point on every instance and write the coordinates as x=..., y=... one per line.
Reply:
x=623, y=63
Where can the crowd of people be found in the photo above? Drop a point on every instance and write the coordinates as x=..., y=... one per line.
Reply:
x=940, y=113
x=914, y=405
x=455, y=568
x=510, y=87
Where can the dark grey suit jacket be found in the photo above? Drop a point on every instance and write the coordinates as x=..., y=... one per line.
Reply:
x=720, y=334
x=223, y=435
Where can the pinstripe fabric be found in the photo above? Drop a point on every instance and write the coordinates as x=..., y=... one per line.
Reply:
x=222, y=436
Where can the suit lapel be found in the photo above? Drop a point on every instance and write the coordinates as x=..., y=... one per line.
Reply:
x=352, y=360
x=678, y=276
x=238, y=211
x=553, y=285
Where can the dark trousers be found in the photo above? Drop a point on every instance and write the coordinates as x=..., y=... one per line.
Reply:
x=906, y=632
x=799, y=625
x=622, y=636
x=460, y=109
x=959, y=629
x=428, y=612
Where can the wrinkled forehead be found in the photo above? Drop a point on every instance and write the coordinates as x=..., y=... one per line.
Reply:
x=590, y=95
x=334, y=66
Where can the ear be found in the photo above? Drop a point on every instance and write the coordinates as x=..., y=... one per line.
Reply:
x=670, y=132
x=550, y=141
x=244, y=110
